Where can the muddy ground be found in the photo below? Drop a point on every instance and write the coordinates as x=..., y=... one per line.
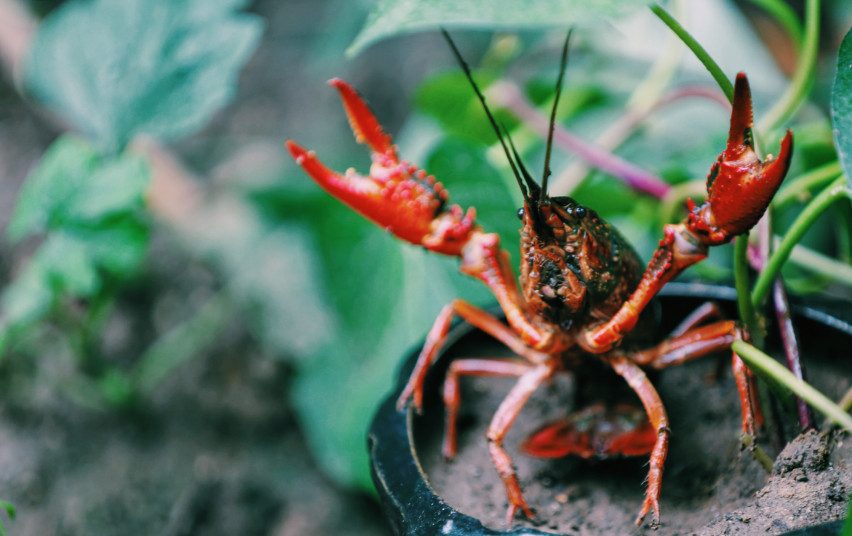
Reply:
x=710, y=485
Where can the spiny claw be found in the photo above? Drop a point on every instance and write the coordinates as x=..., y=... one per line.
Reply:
x=364, y=124
x=395, y=195
x=739, y=185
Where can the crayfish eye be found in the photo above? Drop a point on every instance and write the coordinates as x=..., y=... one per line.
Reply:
x=580, y=211
x=521, y=213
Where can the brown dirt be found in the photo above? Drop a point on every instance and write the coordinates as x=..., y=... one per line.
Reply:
x=215, y=452
x=710, y=486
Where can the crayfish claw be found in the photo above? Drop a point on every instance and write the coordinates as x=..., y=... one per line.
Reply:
x=739, y=186
x=364, y=124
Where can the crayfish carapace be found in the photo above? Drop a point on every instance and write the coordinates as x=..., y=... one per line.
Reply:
x=581, y=284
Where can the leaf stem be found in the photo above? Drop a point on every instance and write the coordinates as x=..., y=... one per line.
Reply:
x=761, y=362
x=702, y=55
x=789, y=340
x=785, y=16
x=744, y=303
x=799, y=188
x=508, y=95
x=820, y=264
x=836, y=190
x=803, y=78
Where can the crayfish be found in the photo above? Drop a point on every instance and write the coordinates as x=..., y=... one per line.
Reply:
x=582, y=287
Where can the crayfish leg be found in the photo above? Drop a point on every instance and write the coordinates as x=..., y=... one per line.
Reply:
x=656, y=412
x=595, y=431
x=500, y=424
x=452, y=394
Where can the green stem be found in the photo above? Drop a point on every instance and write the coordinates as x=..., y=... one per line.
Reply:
x=818, y=263
x=785, y=16
x=744, y=304
x=800, y=187
x=836, y=190
x=697, y=49
x=802, y=80
x=761, y=362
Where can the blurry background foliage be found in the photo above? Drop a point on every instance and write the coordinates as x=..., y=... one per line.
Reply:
x=318, y=285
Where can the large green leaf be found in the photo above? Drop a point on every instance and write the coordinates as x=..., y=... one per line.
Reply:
x=156, y=67
x=841, y=105
x=392, y=17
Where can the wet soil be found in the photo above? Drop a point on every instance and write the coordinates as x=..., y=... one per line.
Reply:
x=710, y=486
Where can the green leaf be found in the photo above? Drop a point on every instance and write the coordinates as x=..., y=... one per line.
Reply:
x=9, y=508
x=59, y=175
x=156, y=67
x=449, y=98
x=393, y=17
x=72, y=185
x=841, y=105
x=89, y=207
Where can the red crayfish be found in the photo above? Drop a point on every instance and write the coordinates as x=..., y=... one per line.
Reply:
x=582, y=287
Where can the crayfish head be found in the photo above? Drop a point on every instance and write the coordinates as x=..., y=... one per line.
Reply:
x=573, y=262
x=739, y=186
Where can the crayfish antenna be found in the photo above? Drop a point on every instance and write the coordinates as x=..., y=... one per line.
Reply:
x=563, y=65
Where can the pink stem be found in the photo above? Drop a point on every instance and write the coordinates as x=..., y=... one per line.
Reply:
x=757, y=255
x=791, y=348
x=509, y=96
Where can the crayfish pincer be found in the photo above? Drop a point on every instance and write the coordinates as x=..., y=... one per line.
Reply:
x=581, y=284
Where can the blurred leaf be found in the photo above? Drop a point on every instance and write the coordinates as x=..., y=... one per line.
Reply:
x=392, y=17
x=66, y=164
x=88, y=207
x=841, y=105
x=472, y=182
x=449, y=99
x=9, y=508
x=156, y=67
x=73, y=186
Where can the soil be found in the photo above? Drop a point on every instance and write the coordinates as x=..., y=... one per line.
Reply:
x=216, y=452
x=710, y=485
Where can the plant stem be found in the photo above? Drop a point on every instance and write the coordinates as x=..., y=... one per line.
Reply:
x=697, y=49
x=510, y=96
x=846, y=401
x=620, y=129
x=789, y=341
x=744, y=304
x=836, y=190
x=796, y=92
x=800, y=187
x=761, y=362
x=818, y=263
x=758, y=453
x=785, y=16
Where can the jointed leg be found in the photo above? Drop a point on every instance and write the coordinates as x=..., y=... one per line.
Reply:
x=705, y=312
x=452, y=394
x=502, y=421
x=657, y=415
x=438, y=335
x=702, y=341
